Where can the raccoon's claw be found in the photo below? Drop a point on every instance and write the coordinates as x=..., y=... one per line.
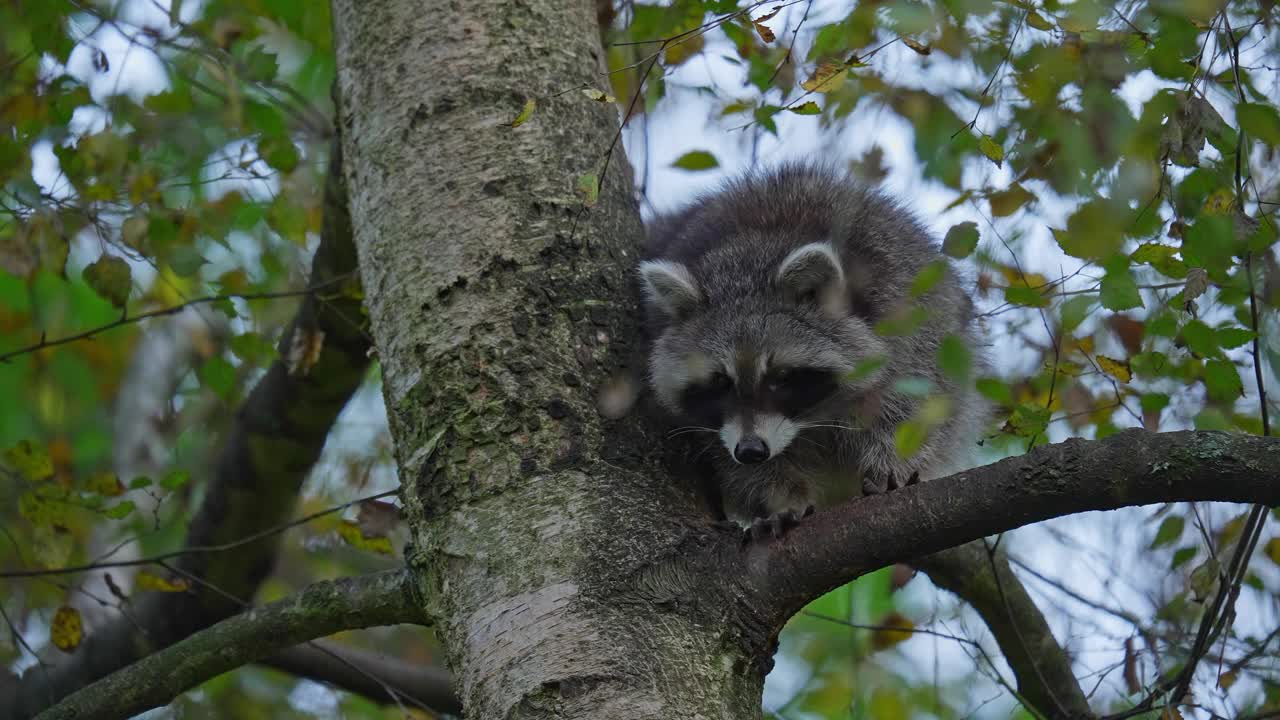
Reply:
x=880, y=485
x=774, y=526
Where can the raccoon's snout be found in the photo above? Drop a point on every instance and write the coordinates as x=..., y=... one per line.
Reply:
x=750, y=450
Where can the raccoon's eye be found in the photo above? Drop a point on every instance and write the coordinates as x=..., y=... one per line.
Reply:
x=719, y=382
x=780, y=377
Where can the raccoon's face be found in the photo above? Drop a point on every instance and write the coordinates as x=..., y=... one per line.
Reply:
x=758, y=367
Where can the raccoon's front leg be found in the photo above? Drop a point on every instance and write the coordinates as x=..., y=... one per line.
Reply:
x=771, y=496
x=884, y=470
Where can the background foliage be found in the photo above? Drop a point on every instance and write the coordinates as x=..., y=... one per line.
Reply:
x=1107, y=173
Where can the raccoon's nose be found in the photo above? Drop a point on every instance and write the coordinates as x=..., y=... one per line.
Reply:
x=751, y=450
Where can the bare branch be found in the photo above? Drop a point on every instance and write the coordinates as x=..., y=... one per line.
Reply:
x=1134, y=467
x=378, y=674
x=385, y=598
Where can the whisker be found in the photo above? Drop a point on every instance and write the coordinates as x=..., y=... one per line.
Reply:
x=689, y=429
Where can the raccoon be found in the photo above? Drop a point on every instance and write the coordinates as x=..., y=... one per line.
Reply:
x=787, y=336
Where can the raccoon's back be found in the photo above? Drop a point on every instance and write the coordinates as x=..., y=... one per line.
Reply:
x=802, y=201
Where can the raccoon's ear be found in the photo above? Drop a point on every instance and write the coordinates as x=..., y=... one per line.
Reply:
x=812, y=273
x=669, y=287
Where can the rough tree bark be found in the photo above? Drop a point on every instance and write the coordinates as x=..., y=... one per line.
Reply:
x=494, y=304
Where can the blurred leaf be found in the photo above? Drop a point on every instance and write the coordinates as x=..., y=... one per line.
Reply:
x=992, y=150
x=808, y=108
x=218, y=375
x=1260, y=121
x=175, y=479
x=961, y=240
x=106, y=484
x=893, y=629
x=696, y=160
x=1007, y=202
x=828, y=77
x=29, y=460
x=66, y=630
x=909, y=437
x=928, y=278
x=351, y=533
x=1222, y=380
x=1169, y=531
x=111, y=278
x=954, y=358
x=588, y=186
x=1115, y=368
x=148, y=582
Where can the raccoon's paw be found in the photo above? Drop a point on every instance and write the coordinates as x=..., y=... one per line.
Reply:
x=775, y=525
x=879, y=484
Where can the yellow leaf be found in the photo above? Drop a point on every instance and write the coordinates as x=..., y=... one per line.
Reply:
x=828, y=77
x=525, y=113
x=1219, y=202
x=106, y=484
x=1115, y=368
x=1273, y=550
x=598, y=95
x=991, y=149
x=894, y=628
x=66, y=630
x=1227, y=679
x=31, y=461
x=148, y=582
x=355, y=537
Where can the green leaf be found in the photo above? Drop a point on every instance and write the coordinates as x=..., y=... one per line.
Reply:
x=1260, y=121
x=1153, y=402
x=29, y=460
x=279, y=152
x=809, y=108
x=186, y=260
x=1222, y=380
x=1200, y=339
x=1182, y=556
x=120, y=510
x=991, y=149
x=1233, y=337
x=1170, y=530
x=928, y=278
x=1007, y=202
x=865, y=368
x=910, y=437
x=218, y=375
x=1120, y=290
x=260, y=65
x=1161, y=257
x=526, y=112
x=696, y=160
x=1075, y=310
x=140, y=482
x=961, y=240
x=252, y=347
x=1030, y=297
x=111, y=278
x=954, y=358
x=995, y=390
x=175, y=479
x=588, y=186
x=1027, y=420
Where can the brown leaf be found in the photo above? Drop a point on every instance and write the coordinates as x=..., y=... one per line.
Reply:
x=66, y=631
x=1129, y=331
x=765, y=33
x=919, y=47
x=1131, y=683
x=894, y=628
x=828, y=77
x=1197, y=283
x=376, y=517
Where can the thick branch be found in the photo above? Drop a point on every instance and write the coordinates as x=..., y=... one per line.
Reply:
x=278, y=435
x=1041, y=666
x=373, y=675
x=1131, y=468
x=321, y=609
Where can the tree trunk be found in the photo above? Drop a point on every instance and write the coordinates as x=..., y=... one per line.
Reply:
x=549, y=550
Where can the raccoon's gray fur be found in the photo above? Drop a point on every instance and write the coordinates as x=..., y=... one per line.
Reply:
x=762, y=299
